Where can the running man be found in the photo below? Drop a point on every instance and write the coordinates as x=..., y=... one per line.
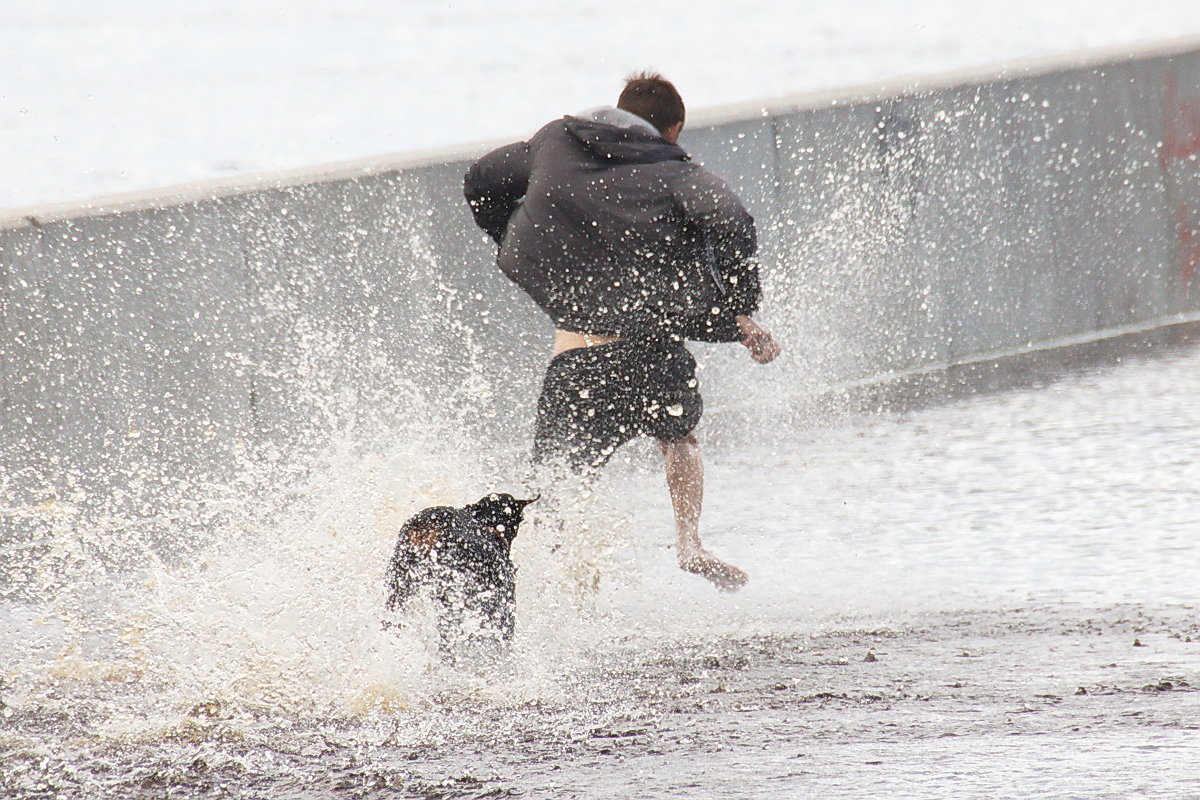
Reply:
x=631, y=249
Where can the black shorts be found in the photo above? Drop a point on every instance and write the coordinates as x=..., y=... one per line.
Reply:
x=595, y=399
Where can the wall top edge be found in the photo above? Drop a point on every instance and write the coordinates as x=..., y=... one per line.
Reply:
x=213, y=189
x=246, y=183
x=910, y=85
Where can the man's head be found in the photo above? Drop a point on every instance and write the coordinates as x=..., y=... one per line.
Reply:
x=655, y=99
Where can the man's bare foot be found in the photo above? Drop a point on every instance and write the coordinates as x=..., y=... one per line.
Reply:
x=725, y=577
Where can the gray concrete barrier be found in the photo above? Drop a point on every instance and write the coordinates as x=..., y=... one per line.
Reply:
x=906, y=228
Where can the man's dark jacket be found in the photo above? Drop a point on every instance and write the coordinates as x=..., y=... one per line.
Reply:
x=613, y=231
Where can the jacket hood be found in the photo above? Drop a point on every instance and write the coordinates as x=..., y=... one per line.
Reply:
x=614, y=134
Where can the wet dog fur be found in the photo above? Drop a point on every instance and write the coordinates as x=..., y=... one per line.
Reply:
x=461, y=558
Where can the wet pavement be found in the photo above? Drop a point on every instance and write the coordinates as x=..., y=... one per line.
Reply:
x=993, y=598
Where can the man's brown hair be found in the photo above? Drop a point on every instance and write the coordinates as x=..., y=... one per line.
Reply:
x=653, y=98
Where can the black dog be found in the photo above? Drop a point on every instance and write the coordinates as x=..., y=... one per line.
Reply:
x=461, y=557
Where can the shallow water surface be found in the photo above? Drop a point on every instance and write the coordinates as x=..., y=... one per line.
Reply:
x=992, y=598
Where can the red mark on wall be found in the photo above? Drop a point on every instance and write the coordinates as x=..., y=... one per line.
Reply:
x=1179, y=157
x=1189, y=248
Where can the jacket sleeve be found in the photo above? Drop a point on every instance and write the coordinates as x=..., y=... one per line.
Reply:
x=730, y=242
x=494, y=186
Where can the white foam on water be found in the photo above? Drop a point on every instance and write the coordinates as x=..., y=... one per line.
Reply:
x=283, y=616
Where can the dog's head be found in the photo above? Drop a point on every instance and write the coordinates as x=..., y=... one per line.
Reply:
x=499, y=513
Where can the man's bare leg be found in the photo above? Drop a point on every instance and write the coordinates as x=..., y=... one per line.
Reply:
x=685, y=481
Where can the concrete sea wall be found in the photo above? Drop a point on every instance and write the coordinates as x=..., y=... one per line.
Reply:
x=906, y=229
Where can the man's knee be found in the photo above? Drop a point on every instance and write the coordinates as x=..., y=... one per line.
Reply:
x=677, y=445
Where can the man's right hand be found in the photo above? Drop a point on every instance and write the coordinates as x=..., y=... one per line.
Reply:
x=758, y=340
